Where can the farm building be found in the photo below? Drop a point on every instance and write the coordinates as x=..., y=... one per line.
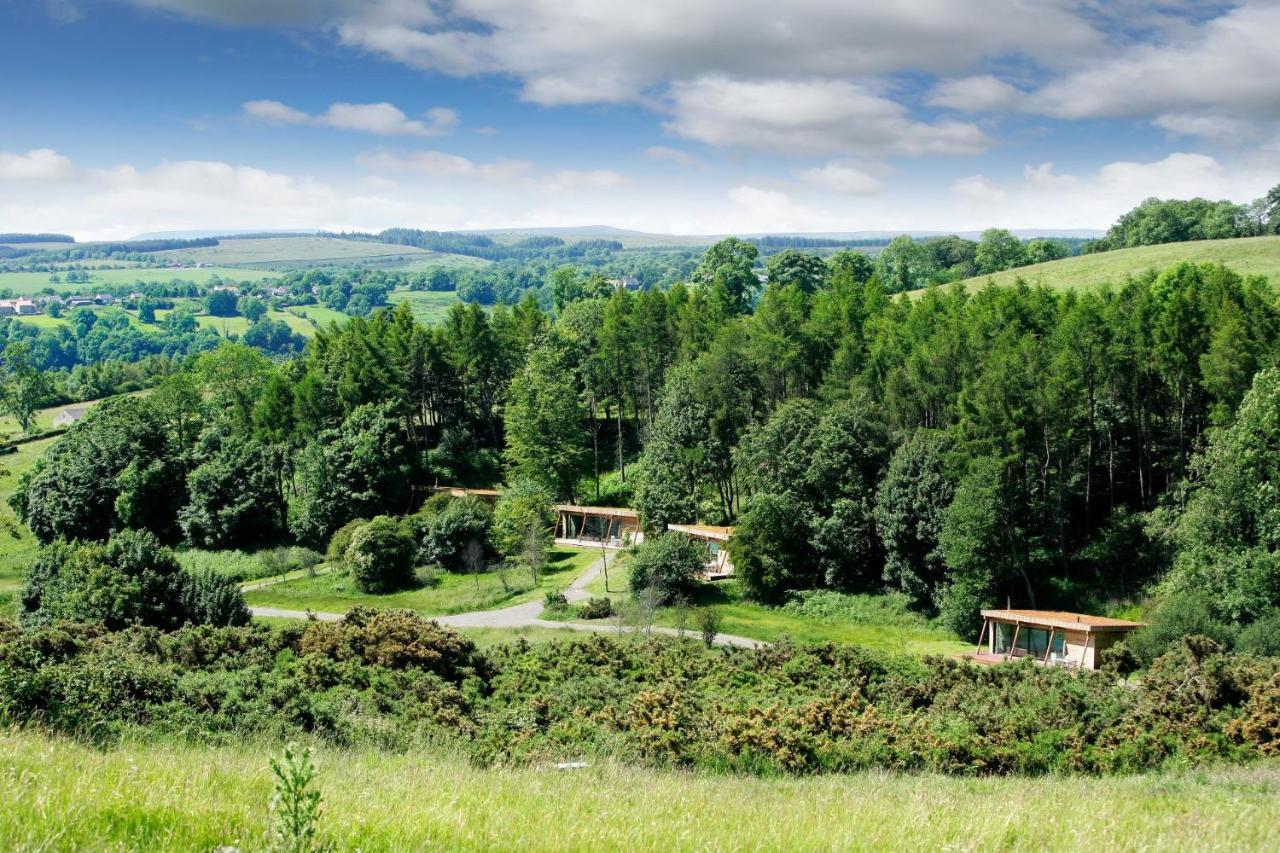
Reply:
x=1051, y=637
x=10, y=307
x=613, y=527
x=715, y=539
x=69, y=415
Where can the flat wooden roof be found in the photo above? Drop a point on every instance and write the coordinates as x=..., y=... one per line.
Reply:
x=1062, y=619
x=459, y=490
x=703, y=531
x=609, y=511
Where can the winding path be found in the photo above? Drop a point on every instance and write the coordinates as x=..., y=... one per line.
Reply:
x=526, y=615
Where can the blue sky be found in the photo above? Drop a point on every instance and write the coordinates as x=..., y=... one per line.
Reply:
x=696, y=116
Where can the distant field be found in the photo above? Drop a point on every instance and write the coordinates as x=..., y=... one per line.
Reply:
x=427, y=306
x=1248, y=255
x=311, y=251
x=34, y=282
x=65, y=795
x=323, y=315
x=44, y=321
x=40, y=247
x=16, y=551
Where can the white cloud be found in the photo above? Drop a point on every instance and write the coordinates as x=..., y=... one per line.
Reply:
x=1215, y=128
x=980, y=93
x=274, y=112
x=1045, y=197
x=976, y=189
x=1228, y=67
x=439, y=164
x=842, y=178
x=592, y=50
x=383, y=119
x=37, y=165
x=811, y=116
x=673, y=155
x=595, y=179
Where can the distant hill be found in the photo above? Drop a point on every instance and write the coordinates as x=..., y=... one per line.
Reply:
x=261, y=251
x=1245, y=255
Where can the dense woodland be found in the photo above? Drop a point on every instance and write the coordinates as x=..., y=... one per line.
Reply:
x=965, y=449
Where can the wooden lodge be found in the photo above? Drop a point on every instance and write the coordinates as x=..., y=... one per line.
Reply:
x=593, y=526
x=487, y=495
x=715, y=539
x=1050, y=637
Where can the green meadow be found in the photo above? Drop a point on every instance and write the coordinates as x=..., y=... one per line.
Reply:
x=1245, y=255
x=35, y=282
x=64, y=795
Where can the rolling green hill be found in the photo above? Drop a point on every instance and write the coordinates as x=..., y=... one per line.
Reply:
x=1248, y=256
x=34, y=282
x=311, y=251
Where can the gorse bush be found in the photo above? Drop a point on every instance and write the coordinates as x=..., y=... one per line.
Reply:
x=393, y=679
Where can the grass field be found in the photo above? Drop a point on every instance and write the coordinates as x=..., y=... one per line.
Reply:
x=62, y=795
x=16, y=552
x=322, y=315
x=34, y=282
x=1248, y=255
x=284, y=252
x=336, y=593
x=427, y=306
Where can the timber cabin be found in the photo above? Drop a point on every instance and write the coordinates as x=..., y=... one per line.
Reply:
x=1051, y=637
x=715, y=539
x=593, y=526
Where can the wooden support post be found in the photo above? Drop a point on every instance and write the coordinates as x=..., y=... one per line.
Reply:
x=981, y=634
x=1013, y=646
x=1049, y=648
x=1084, y=653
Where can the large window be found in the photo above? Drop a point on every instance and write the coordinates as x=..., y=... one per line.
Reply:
x=1031, y=641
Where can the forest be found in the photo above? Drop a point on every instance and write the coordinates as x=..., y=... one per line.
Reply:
x=962, y=449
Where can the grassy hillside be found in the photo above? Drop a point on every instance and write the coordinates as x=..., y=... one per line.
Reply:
x=1249, y=255
x=64, y=795
x=427, y=306
x=285, y=252
x=34, y=282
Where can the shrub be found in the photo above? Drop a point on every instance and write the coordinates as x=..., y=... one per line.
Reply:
x=1263, y=636
x=1177, y=616
x=708, y=622
x=130, y=578
x=295, y=806
x=214, y=599
x=770, y=547
x=670, y=563
x=341, y=541
x=380, y=556
x=598, y=608
x=394, y=639
x=451, y=532
x=554, y=599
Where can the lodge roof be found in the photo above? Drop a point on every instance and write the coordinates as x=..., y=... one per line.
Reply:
x=703, y=531
x=459, y=491
x=610, y=511
x=1062, y=619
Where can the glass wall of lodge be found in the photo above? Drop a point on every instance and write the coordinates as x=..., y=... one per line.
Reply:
x=593, y=528
x=1031, y=641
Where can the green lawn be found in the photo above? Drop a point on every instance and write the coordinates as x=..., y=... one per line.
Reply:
x=1248, y=255
x=749, y=619
x=64, y=795
x=451, y=593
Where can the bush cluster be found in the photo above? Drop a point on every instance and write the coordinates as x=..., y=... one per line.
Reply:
x=394, y=680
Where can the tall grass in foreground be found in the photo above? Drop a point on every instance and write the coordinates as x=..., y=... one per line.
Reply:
x=62, y=795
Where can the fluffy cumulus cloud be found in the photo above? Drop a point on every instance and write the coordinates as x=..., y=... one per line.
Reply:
x=979, y=93
x=37, y=165
x=1045, y=197
x=438, y=164
x=812, y=116
x=1227, y=66
x=382, y=118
